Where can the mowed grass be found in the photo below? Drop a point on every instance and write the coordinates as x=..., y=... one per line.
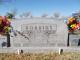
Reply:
x=40, y=56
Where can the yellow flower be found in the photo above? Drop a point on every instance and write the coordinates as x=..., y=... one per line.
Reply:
x=73, y=26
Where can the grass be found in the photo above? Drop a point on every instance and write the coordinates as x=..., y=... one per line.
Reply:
x=40, y=56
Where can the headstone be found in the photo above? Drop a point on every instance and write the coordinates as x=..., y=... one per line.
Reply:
x=74, y=40
x=39, y=32
x=3, y=41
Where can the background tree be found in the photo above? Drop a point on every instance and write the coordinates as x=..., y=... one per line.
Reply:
x=26, y=15
x=11, y=14
x=56, y=15
x=44, y=15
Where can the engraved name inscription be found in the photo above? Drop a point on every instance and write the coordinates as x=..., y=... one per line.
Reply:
x=38, y=27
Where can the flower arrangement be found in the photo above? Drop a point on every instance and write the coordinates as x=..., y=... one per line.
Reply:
x=73, y=23
x=4, y=25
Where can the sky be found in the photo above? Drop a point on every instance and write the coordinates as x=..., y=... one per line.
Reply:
x=39, y=7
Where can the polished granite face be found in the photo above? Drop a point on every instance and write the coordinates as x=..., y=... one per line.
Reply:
x=39, y=32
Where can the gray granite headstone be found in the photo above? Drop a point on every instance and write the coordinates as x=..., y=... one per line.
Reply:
x=74, y=40
x=39, y=32
x=3, y=41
